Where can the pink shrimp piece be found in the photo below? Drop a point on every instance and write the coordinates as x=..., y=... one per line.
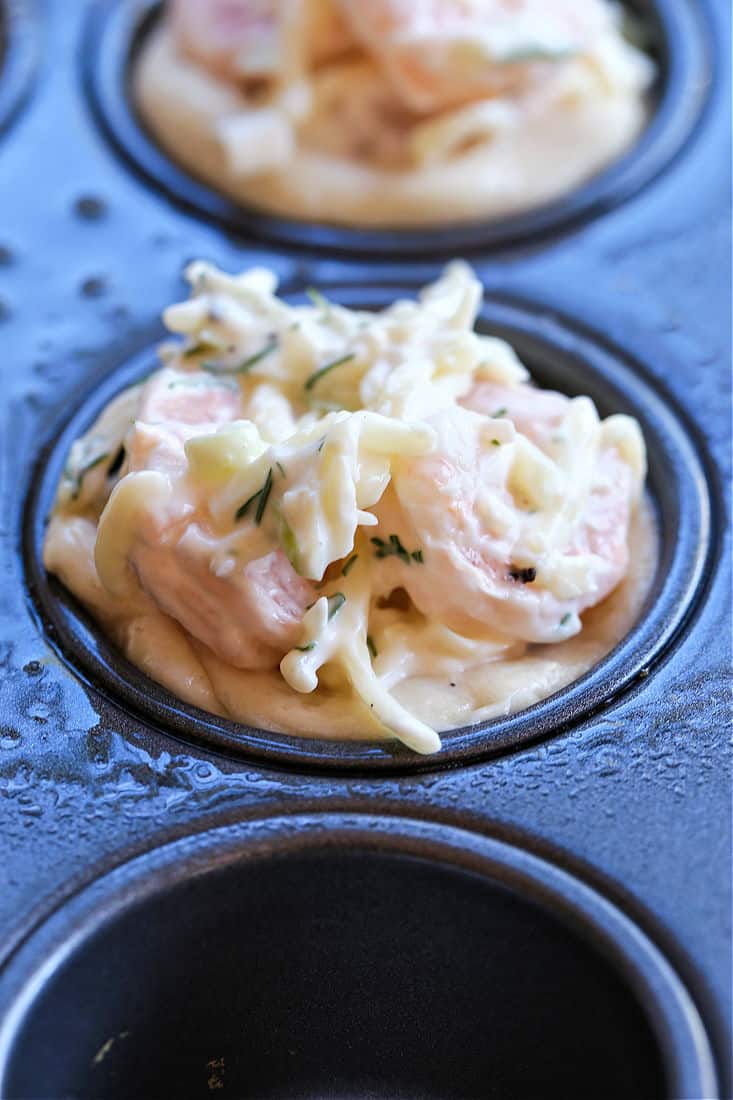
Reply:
x=250, y=617
x=432, y=49
x=173, y=407
x=247, y=610
x=538, y=414
x=445, y=505
x=233, y=39
x=240, y=40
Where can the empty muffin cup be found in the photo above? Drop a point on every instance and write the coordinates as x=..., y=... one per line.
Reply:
x=329, y=956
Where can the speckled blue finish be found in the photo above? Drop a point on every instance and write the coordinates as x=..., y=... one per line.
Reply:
x=634, y=799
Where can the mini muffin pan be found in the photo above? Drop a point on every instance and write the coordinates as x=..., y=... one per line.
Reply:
x=189, y=907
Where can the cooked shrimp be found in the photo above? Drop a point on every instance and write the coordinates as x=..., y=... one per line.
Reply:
x=480, y=567
x=538, y=414
x=244, y=40
x=173, y=407
x=234, y=39
x=237, y=597
x=248, y=613
x=440, y=53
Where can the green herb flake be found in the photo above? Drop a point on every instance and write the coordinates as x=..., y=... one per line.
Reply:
x=305, y=648
x=335, y=603
x=201, y=347
x=281, y=468
x=261, y=496
x=289, y=542
x=496, y=443
x=266, y=490
x=395, y=548
x=76, y=479
x=565, y=619
x=498, y=413
x=349, y=565
x=327, y=368
x=246, y=365
x=371, y=646
x=317, y=298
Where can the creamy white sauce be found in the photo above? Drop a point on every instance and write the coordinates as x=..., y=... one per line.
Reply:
x=158, y=645
x=498, y=157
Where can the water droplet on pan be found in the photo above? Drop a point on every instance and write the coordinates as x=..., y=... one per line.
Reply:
x=94, y=287
x=90, y=208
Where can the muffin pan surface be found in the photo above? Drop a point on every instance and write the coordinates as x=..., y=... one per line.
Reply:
x=578, y=854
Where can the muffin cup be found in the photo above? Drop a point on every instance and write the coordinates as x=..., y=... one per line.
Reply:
x=345, y=956
x=560, y=355
x=114, y=36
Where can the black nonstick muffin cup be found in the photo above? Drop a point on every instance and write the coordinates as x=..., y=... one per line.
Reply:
x=560, y=356
x=678, y=36
x=339, y=956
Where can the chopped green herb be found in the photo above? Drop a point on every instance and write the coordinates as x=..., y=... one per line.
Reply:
x=289, y=542
x=76, y=479
x=317, y=298
x=320, y=444
x=395, y=547
x=496, y=443
x=201, y=347
x=565, y=619
x=349, y=565
x=335, y=603
x=261, y=496
x=371, y=646
x=281, y=468
x=500, y=412
x=305, y=648
x=266, y=490
x=246, y=364
x=242, y=510
x=318, y=375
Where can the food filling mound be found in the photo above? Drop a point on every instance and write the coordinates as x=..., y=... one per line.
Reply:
x=350, y=524
x=393, y=112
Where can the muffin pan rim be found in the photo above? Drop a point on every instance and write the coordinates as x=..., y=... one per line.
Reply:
x=662, y=622
x=19, y=60
x=688, y=59
x=581, y=909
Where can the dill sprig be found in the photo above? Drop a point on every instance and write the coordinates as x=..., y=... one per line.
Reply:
x=395, y=548
x=261, y=496
x=349, y=565
x=335, y=603
x=327, y=368
x=246, y=364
